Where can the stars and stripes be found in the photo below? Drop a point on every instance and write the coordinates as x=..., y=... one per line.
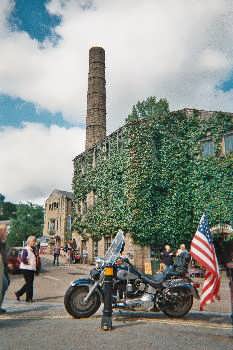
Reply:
x=203, y=251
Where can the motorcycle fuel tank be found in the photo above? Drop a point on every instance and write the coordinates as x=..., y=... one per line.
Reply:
x=124, y=274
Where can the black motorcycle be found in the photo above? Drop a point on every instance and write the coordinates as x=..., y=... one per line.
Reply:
x=171, y=292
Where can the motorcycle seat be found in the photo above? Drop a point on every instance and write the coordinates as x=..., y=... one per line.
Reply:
x=155, y=280
x=158, y=277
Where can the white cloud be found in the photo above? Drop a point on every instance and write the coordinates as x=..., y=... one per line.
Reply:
x=36, y=159
x=176, y=49
x=179, y=49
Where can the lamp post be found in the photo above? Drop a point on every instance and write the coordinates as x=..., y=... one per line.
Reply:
x=106, y=321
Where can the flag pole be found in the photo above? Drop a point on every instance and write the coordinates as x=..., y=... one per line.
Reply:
x=230, y=275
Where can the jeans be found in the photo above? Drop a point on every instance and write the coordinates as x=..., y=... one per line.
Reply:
x=5, y=285
x=56, y=258
x=28, y=286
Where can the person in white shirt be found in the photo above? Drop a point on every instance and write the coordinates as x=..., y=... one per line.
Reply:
x=28, y=268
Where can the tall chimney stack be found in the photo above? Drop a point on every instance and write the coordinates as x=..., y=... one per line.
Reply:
x=96, y=98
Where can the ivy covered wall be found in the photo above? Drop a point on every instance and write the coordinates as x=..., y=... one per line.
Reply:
x=151, y=179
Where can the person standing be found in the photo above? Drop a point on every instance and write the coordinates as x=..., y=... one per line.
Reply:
x=182, y=259
x=28, y=268
x=84, y=256
x=69, y=254
x=56, y=253
x=74, y=244
x=167, y=257
x=4, y=277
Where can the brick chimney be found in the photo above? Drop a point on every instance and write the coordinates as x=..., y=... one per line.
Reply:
x=96, y=98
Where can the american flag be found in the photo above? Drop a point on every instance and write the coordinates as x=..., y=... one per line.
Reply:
x=202, y=250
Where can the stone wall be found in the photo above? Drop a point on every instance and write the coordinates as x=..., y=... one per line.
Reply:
x=138, y=255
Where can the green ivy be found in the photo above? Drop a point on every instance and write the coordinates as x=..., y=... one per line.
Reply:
x=157, y=185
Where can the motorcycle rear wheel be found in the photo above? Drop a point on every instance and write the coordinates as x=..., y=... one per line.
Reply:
x=181, y=307
x=75, y=305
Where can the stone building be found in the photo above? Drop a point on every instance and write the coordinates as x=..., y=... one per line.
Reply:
x=116, y=146
x=95, y=141
x=58, y=210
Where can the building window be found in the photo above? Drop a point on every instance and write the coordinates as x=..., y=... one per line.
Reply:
x=94, y=158
x=119, y=141
x=228, y=143
x=107, y=243
x=82, y=166
x=84, y=206
x=94, y=197
x=94, y=249
x=208, y=148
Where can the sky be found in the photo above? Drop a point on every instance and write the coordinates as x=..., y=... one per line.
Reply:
x=181, y=50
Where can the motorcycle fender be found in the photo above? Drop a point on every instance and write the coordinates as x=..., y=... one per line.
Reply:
x=86, y=282
x=188, y=288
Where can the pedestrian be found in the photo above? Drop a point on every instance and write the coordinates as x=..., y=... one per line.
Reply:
x=65, y=248
x=167, y=257
x=4, y=277
x=28, y=268
x=69, y=253
x=74, y=244
x=85, y=256
x=56, y=252
x=182, y=259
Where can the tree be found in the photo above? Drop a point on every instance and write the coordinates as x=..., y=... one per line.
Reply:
x=2, y=198
x=7, y=209
x=28, y=221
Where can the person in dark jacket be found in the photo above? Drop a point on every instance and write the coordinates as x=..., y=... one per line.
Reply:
x=167, y=256
x=182, y=259
x=5, y=280
x=56, y=253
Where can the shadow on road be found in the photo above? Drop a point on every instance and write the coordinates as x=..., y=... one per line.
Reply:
x=194, y=316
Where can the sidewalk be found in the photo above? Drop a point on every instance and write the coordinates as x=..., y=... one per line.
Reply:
x=82, y=269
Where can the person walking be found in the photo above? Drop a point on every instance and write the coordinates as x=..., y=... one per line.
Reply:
x=56, y=253
x=4, y=277
x=28, y=268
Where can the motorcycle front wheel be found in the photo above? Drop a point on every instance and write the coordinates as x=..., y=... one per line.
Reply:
x=180, y=305
x=75, y=304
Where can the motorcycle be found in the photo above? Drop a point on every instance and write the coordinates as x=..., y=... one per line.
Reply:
x=169, y=292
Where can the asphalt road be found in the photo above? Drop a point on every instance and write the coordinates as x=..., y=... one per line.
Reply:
x=46, y=325
x=60, y=332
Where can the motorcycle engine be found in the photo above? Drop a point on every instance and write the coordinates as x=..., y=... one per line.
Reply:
x=140, y=285
x=145, y=303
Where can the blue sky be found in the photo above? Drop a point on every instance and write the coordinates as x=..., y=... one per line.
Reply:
x=15, y=112
x=32, y=17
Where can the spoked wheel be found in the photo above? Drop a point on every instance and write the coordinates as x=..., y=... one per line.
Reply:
x=75, y=304
x=179, y=304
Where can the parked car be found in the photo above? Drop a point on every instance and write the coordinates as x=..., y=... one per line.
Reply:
x=44, y=241
x=13, y=259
